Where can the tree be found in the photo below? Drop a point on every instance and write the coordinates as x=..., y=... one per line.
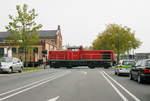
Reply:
x=87, y=48
x=23, y=28
x=117, y=38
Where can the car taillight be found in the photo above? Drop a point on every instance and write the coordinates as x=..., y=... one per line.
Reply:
x=120, y=67
x=146, y=70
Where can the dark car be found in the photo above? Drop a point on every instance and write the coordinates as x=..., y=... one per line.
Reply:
x=141, y=72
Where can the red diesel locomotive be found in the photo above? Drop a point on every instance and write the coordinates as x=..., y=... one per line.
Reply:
x=76, y=56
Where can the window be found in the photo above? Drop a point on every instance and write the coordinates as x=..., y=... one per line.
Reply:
x=2, y=41
x=139, y=63
x=143, y=63
x=13, y=50
x=1, y=51
x=132, y=63
x=20, y=50
x=15, y=60
x=6, y=59
x=35, y=50
x=42, y=41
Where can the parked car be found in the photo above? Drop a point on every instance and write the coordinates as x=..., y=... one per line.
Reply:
x=141, y=72
x=124, y=67
x=9, y=64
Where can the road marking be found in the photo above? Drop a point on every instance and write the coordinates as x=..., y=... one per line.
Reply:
x=33, y=83
x=1, y=99
x=84, y=72
x=53, y=99
x=133, y=96
x=114, y=87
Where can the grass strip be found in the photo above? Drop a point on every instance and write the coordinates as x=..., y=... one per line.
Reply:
x=25, y=69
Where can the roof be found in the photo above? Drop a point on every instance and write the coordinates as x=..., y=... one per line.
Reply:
x=4, y=34
x=41, y=33
x=47, y=33
x=142, y=54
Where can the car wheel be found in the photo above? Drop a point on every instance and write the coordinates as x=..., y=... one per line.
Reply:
x=118, y=73
x=139, y=79
x=115, y=73
x=10, y=70
x=20, y=70
x=68, y=67
x=131, y=78
x=91, y=67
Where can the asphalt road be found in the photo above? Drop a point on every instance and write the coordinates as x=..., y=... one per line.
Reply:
x=78, y=84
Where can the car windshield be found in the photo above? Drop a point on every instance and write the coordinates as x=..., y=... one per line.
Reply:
x=4, y=59
x=132, y=63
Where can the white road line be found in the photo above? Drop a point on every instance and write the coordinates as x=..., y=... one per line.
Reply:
x=84, y=72
x=33, y=83
x=53, y=99
x=133, y=96
x=114, y=87
x=1, y=99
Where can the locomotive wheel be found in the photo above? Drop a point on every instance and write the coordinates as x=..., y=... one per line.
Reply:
x=91, y=67
x=69, y=67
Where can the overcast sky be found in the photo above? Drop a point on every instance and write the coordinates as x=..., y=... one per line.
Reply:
x=82, y=20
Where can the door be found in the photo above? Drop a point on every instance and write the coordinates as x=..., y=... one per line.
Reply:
x=15, y=64
x=18, y=64
x=139, y=68
x=133, y=72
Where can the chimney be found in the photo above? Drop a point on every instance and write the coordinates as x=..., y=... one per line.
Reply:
x=58, y=27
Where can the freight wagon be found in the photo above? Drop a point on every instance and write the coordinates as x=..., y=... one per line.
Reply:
x=76, y=56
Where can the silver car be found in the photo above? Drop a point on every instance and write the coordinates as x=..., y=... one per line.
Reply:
x=124, y=67
x=9, y=64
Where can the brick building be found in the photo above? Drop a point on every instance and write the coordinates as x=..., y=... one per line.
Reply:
x=48, y=40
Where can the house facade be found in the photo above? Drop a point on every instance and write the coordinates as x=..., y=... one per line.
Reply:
x=48, y=40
